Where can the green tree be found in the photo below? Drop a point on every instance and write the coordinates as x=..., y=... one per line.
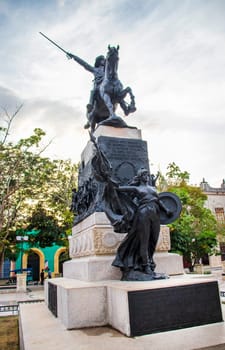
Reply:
x=57, y=193
x=29, y=181
x=194, y=234
x=51, y=217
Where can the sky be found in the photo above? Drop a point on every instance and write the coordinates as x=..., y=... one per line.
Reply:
x=172, y=55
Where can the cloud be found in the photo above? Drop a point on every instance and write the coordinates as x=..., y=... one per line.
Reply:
x=9, y=100
x=171, y=54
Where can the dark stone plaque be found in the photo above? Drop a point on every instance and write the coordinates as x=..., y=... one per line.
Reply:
x=52, y=298
x=126, y=156
x=164, y=309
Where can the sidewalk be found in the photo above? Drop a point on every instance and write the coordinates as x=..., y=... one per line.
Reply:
x=11, y=296
x=41, y=330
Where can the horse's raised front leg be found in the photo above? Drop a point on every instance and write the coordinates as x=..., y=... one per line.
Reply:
x=132, y=107
x=127, y=108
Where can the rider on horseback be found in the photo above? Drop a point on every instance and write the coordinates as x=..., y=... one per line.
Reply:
x=98, y=71
x=108, y=91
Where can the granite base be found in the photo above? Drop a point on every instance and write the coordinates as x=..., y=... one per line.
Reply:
x=136, y=308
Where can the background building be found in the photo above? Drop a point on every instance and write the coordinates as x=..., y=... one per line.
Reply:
x=36, y=258
x=216, y=203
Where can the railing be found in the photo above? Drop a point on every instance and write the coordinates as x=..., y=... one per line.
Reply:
x=12, y=309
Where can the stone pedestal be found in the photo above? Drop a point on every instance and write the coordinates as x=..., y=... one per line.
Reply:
x=93, y=246
x=199, y=268
x=90, y=293
x=135, y=308
x=93, y=268
x=215, y=261
x=163, y=306
x=169, y=263
x=94, y=236
x=21, y=282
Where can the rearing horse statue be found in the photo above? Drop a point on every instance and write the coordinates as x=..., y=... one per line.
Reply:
x=110, y=94
x=108, y=91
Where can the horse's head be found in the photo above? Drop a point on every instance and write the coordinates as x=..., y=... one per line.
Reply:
x=112, y=59
x=113, y=53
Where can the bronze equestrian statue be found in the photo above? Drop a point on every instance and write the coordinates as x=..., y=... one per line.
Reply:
x=107, y=91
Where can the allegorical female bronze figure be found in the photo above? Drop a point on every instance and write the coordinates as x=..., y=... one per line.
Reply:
x=134, y=209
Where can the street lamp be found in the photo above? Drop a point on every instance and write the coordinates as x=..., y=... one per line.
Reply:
x=21, y=239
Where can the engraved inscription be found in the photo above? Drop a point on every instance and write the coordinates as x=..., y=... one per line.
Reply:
x=125, y=155
x=127, y=148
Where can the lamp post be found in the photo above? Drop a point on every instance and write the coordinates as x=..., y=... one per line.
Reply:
x=21, y=239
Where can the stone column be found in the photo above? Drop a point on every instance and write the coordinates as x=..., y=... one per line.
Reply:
x=21, y=282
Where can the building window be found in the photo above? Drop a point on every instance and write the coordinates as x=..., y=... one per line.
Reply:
x=220, y=214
